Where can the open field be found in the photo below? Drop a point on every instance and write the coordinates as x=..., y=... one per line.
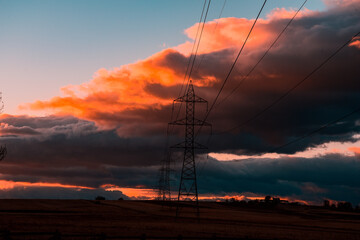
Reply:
x=79, y=219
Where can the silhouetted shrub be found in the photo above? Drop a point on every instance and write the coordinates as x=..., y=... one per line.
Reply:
x=267, y=199
x=357, y=208
x=98, y=198
x=233, y=200
x=121, y=199
x=347, y=206
x=276, y=200
x=243, y=202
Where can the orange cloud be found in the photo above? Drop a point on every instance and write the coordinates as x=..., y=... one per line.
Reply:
x=147, y=193
x=124, y=97
x=355, y=42
x=139, y=193
x=124, y=89
x=355, y=150
x=110, y=94
x=5, y=185
x=117, y=90
x=231, y=32
x=282, y=13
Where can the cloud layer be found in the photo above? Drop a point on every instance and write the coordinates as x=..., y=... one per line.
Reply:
x=123, y=97
x=111, y=130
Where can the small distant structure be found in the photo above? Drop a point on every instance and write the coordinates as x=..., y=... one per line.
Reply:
x=99, y=198
x=268, y=201
x=273, y=200
x=3, y=150
x=357, y=208
x=345, y=206
x=342, y=205
x=326, y=203
x=276, y=200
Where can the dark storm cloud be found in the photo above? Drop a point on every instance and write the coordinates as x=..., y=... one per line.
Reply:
x=18, y=131
x=123, y=143
x=330, y=93
x=39, y=122
x=136, y=99
x=96, y=158
x=76, y=152
x=313, y=179
x=67, y=144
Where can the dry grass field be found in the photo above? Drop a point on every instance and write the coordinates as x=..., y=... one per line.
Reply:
x=85, y=219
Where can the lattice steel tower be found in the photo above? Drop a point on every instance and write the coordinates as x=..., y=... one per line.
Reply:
x=3, y=150
x=188, y=186
x=164, y=193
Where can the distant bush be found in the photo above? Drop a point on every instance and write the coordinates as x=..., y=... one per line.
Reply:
x=357, y=208
x=121, y=199
x=268, y=199
x=276, y=200
x=233, y=200
x=346, y=206
x=98, y=198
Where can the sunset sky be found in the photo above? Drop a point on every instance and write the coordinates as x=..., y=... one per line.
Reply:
x=88, y=87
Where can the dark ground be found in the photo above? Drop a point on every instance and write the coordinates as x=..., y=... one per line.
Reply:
x=85, y=219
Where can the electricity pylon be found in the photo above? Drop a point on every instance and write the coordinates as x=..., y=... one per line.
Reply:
x=164, y=181
x=188, y=185
x=3, y=150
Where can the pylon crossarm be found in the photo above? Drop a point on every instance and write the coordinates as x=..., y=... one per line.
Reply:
x=195, y=146
x=194, y=121
x=199, y=99
x=199, y=146
x=179, y=145
x=178, y=122
x=186, y=98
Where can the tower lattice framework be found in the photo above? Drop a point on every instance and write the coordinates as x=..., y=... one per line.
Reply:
x=164, y=193
x=188, y=190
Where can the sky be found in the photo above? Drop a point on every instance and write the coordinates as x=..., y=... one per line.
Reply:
x=88, y=87
x=49, y=44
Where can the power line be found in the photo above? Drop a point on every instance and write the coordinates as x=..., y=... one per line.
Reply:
x=194, y=58
x=232, y=67
x=263, y=56
x=357, y=110
x=291, y=89
x=197, y=47
x=227, y=77
x=192, y=50
x=164, y=173
x=317, y=130
x=216, y=25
